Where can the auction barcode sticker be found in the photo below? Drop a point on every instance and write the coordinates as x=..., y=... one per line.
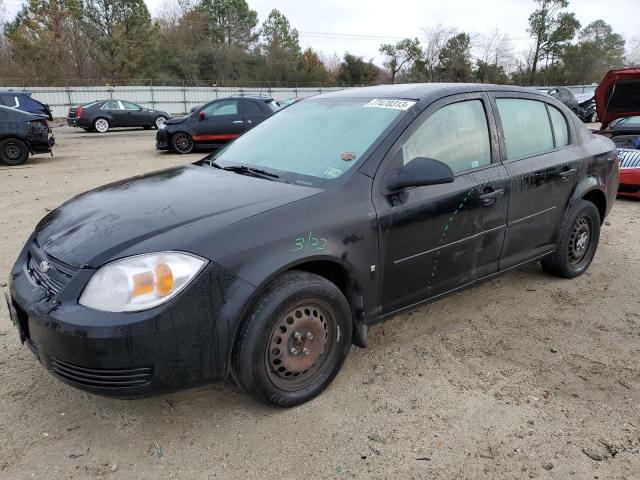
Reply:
x=390, y=103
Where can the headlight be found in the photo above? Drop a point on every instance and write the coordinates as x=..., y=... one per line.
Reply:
x=162, y=127
x=140, y=282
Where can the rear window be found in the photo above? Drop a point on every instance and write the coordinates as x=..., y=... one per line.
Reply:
x=526, y=127
x=560, y=128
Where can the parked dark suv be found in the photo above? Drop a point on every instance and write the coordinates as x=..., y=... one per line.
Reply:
x=23, y=101
x=214, y=124
x=21, y=134
x=270, y=257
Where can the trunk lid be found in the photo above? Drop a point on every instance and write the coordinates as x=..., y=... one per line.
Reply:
x=618, y=95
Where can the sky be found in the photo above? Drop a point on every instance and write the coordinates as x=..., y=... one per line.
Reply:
x=360, y=26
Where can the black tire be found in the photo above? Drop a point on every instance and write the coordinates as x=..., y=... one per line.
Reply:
x=579, y=236
x=182, y=143
x=13, y=151
x=308, y=316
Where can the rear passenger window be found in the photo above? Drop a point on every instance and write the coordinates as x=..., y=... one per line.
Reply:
x=526, y=126
x=250, y=107
x=457, y=135
x=560, y=129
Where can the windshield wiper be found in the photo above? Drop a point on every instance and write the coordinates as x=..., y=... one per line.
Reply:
x=244, y=170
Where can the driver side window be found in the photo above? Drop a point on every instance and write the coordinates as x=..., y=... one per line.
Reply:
x=457, y=134
x=224, y=107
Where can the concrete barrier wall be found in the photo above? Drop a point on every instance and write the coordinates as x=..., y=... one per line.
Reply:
x=175, y=100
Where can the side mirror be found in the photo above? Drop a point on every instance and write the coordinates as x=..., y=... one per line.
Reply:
x=420, y=172
x=201, y=115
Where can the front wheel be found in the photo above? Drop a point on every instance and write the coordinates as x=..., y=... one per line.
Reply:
x=294, y=341
x=13, y=151
x=182, y=143
x=579, y=236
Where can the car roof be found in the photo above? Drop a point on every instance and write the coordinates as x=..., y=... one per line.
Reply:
x=14, y=92
x=420, y=91
x=263, y=98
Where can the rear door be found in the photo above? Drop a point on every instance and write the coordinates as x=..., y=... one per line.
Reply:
x=542, y=158
x=437, y=238
x=253, y=112
x=222, y=122
x=115, y=113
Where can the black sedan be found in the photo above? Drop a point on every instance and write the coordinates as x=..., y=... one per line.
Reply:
x=21, y=134
x=270, y=257
x=214, y=124
x=102, y=115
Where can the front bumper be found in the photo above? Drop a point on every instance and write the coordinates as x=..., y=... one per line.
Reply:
x=42, y=146
x=629, y=182
x=122, y=354
x=162, y=139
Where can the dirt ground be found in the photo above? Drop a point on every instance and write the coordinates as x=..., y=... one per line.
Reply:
x=526, y=376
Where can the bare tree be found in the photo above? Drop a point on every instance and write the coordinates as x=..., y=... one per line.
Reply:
x=435, y=40
x=494, y=48
x=634, y=51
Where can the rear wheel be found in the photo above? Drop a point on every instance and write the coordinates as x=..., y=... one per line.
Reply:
x=101, y=125
x=13, y=151
x=160, y=120
x=294, y=341
x=578, y=243
x=182, y=143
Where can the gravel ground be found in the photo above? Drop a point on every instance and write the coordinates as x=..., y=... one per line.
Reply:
x=526, y=376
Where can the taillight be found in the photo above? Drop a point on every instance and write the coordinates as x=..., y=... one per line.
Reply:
x=78, y=112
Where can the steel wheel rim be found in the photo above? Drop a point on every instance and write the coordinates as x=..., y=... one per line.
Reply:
x=299, y=342
x=183, y=143
x=102, y=125
x=160, y=121
x=580, y=241
x=12, y=151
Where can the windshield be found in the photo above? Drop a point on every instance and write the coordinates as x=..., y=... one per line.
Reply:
x=627, y=122
x=314, y=139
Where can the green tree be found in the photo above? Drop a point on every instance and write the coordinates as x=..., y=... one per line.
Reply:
x=355, y=71
x=277, y=32
x=231, y=21
x=123, y=37
x=312, y=69
x=401, y=55
x=551, y=29
x=46, y=40
x=455, y=59
x=598, y=50
x=490, y=73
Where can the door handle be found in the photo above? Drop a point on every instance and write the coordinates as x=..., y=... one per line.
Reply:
x=248, y=121
x=566, y=174
x=237, y=121
x=490, y=197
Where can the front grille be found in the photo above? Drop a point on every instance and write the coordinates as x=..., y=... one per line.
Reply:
x=57, y=275
x=100, y=377
x=629, y=158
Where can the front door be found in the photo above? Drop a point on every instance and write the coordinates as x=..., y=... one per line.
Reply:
x=117, y=115
x=542, y=159
x=437, y=238
x=222, y=121
x=136, y=116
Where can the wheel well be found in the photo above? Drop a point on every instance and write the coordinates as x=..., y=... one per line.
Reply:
x=341, y=278
x=599, y=200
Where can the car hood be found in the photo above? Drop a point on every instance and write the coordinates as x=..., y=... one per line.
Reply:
x=97, y=226
x=176, y=120
x=618, y=95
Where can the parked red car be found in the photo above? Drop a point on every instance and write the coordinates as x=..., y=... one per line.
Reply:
x=618, y=105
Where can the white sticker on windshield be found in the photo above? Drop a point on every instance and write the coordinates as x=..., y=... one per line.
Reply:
x=390, y=103
x=332, y=172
